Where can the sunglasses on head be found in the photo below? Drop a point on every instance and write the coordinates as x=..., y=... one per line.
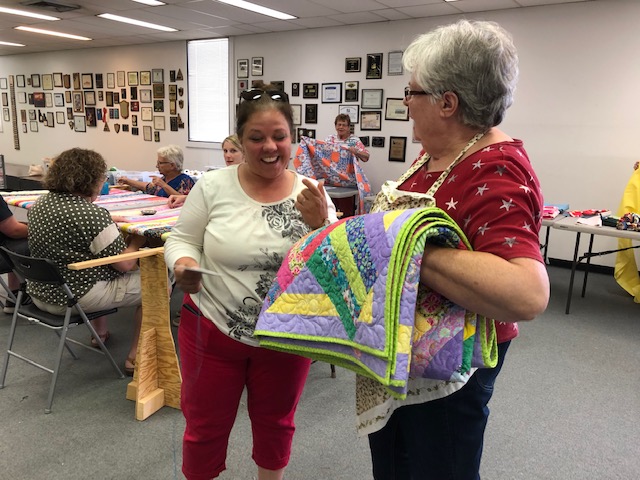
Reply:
x=256, y=94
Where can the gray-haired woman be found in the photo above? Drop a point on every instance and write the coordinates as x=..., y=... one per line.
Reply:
x=462, y=81
x=172, y=182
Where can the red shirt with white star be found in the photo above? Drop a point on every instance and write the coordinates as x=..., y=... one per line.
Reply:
x=495, y=198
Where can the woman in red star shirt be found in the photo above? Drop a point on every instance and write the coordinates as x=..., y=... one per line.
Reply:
x=462, y=82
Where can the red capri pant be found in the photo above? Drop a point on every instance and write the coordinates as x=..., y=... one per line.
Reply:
x=215, y=370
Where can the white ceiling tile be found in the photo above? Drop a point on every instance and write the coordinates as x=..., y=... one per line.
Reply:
x=357, y=18
x=317, y=22
x=431, y=10
x=391, y=14
x=208, y=18
x=468, y=6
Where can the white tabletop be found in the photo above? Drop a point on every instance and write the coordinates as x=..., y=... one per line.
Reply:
x=571, y=224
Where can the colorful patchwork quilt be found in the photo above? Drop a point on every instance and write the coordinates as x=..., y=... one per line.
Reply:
x=125, y=208
x=349, y=294
x=336, y=165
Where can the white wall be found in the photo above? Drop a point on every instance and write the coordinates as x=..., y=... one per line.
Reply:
x=577, y=105
x=122, y=150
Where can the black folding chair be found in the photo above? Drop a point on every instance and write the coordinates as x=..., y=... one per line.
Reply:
x=6, y=268
x=45, y=271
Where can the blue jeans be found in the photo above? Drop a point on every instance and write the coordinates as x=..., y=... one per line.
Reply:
x=441, y=439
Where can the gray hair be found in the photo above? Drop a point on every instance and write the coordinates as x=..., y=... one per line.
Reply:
x=476, y=60
x=173, y=154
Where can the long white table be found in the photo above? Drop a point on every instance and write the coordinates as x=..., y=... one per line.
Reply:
x=571, y=224
x=548, y=223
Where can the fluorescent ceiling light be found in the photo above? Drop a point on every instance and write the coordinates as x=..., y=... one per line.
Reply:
x=139, y=23
x=12, y=44
x=49, y=32
x=13, y=11
x=153, y=3
x=258, y=9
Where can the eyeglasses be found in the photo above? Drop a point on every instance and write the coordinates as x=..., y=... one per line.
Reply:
x=256, y=94
x=163, y=163
x=408, y=93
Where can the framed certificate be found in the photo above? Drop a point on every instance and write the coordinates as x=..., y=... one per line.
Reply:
x=371, y=120
x=396, y=110
x=351, y=110
x=145, y=77
x=395, y=63
x=57, y=80
x=47, y=81
x=146, y=114
x=243, y=68
x=87, y=81
x=257, y=66
x=132, y=78
x=158, y=122
x=297, y=114
x=371, y=98
x=331, y=92
x=157, y=75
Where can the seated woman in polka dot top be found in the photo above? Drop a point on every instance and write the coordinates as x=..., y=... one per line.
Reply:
x=66, y=227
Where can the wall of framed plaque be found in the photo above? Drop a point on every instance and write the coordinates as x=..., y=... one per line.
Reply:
x=84, y=98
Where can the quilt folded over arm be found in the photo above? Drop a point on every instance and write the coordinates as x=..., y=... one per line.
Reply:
x=350, y=294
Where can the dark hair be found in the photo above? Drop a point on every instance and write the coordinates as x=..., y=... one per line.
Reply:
x=76, y=171
x=342, y=117
x=246, y=109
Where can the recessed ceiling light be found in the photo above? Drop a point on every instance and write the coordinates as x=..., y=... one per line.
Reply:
x=50, y=32
x=152, y=3
x=139, y=23
x=23, y=13
x=9, y=44
x=258, y=9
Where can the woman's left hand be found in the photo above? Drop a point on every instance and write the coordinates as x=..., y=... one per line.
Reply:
x=312, y=203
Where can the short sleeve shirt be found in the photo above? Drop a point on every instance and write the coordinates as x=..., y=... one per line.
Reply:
x=67, y=228
x=182, y=184
x=495, y=197
x=5, y=212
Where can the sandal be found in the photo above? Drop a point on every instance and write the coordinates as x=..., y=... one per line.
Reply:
x=130, y=370
x=104, y=338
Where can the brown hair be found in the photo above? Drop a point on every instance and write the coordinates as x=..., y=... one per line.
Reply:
x=247, y=109
x=76, y=171
x=343, y=117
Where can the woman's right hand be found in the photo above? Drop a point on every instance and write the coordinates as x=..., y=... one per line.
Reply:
x=187, y=280
x=176, y=201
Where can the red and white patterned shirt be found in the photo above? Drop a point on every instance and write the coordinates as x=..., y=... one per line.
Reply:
x=495, y=197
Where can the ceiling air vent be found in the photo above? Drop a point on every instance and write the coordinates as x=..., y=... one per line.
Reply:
x=53, y=5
